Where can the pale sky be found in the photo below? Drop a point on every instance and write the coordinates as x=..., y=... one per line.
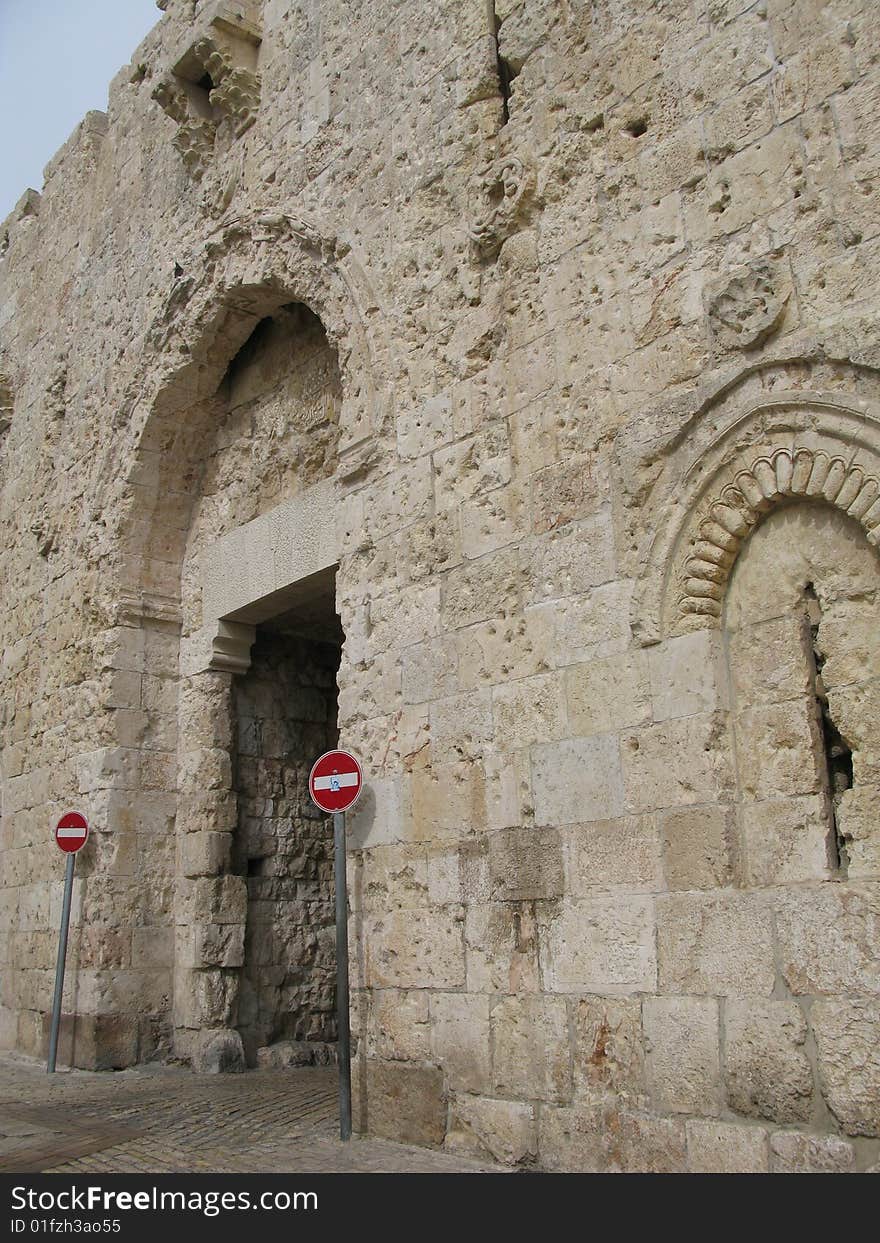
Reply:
x=57, y=58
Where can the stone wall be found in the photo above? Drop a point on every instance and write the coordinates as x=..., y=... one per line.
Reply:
x=285, y=710
x=591, y=320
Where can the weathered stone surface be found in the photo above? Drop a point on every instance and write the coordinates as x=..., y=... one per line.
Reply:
x=525, y=863
x=513, y=423
x=724, y=1148
x=416, y=949
x=619, y=855
x=218, y=1052
x=591, y=1137
x=786, y=840
x=849, y=1061
x=767, y=1068
x=683, y=1060
x=529, y=1039
x=504, y=1130
x=676, y=762
x=698, y=847
x=826, y=937
x=401, y=1102
x=578, y=780
x=609, y=1050
x=603, y=944
x=717, y=944
x=460, y=1040
x=794, y=1153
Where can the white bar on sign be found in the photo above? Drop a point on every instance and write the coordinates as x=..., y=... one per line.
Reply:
x=71, y=832
x=336, y=782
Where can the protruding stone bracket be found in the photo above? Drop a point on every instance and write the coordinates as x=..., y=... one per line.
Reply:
x=213, y=87
x=220, y=646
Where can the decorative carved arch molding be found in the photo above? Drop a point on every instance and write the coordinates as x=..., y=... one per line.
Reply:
x=789, y=446
x=242, y=272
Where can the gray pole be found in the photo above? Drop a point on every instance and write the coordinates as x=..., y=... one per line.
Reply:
x=59, y=967
x=343, y=1047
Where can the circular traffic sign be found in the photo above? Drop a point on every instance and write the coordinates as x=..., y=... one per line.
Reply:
x=71, y=832
x=335, y=781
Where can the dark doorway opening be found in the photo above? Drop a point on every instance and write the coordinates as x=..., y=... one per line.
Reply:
x=286, y=716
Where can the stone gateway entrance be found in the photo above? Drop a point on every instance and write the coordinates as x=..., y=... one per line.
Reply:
x=495, y=393
x=285, y=709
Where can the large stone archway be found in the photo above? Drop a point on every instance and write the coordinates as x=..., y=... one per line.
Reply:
x=186, y=626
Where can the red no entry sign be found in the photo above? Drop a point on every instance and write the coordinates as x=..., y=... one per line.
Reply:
x=335, y=781
x=71, y=832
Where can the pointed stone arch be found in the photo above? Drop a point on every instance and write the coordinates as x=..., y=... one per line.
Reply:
x=731, y=466
x=241, y=273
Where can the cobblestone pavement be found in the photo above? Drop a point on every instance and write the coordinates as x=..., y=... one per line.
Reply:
x=165, y=1120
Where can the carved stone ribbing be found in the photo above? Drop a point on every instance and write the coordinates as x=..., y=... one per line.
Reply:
x=813, y=475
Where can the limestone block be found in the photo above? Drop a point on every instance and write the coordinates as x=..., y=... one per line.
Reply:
x=506, y=645
x=491, y=521
x=529, y=711
x=568, y=490
x=429, y=671
x=596, y=1137
x=586, y=627
x=502, y=1130
x=400, y=618
x=203, y=854
x=460, y=726
x=399, y=1028
x=219, y=900
x=770, y=661
x=792, y=1152
x=859, y=823
x=676, y=762
x=480, y=589
x=609, y=1055
x=404, y=1103
x=725, y=1148
x=448, y=802
x=619, y=854
x=381, y=814
x=683, y=1060
x=205, y=769
x=501, y=943
x=571, y=561
x=444, y=871
x=218, y=945
x=715, y=943
x=848, y=1040
x=93, y=1042
x=698, y=846
x=578, y=780
x=415, y=949
x=825, y=937
x=786, y=840
x=460, y=1040
x=768, y=1071
x=218, y=1052
x=687, y=676
x=530, y=1043
x=394, y=877
x=778, y=748
x=848, y=640
x=471, y=466
x=604, y=696
x=205, y=998
x=525, y=864
x=599, y=945
x=152, y=948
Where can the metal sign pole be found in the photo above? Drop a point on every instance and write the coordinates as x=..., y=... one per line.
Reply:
x=342, y=1013
x=59, y=967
